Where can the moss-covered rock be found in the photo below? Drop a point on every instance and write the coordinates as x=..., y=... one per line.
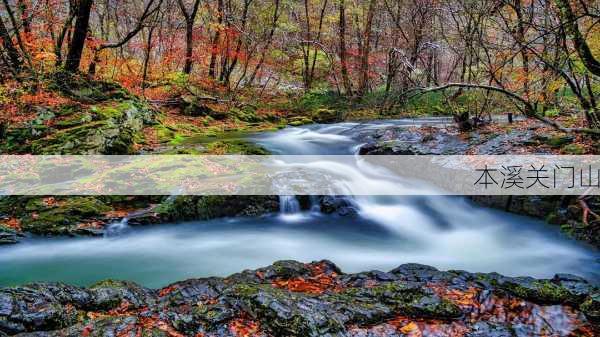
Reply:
x=61, y=217
x=210, y=207
x=325, y=115
x=8, y=235
x=591, y=307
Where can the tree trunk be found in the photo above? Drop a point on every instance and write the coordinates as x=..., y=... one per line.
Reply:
x=366, y=49
x=190, y=18
x=189, y=46
x=343, y=55
x=583, y=50
x=268, y=44
x=25, y=18
x=82, y=23
x=215, y=42
x=9, y=47
x=147, y=55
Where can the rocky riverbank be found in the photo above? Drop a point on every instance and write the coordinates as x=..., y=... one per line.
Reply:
x=291, y=298
x=520, y=138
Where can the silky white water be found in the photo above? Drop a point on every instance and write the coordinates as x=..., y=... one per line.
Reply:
x=445, y=232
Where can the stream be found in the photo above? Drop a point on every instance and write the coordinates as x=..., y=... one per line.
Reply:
x=445, y=232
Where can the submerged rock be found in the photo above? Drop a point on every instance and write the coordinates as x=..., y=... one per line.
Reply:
x=290, y=298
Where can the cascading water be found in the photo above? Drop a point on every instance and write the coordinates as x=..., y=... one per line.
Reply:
x=381, y=233
x=117, y=228
x=288, y=204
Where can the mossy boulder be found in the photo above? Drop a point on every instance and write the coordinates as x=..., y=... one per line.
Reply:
x=245, y=114
x=210, y=207
x=325, y=115
x=538, y=291
x=8, y=235
x=573, y=149
x=85, y=90
x=61, y=217
x=108, y=129
x=298, y=121
x=235, y=146
x=191, y=106
x=591, y=307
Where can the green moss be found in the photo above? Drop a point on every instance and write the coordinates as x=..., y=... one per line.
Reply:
x=63, y=217
x=177, y=139
x=235, y=146
x=209, y=206
x=591, y=307
x=108, y=283
x=574, y=149
x=106, y=112
x=539, y=291
x=74, y=121
x=246, y=114
x=558, y=141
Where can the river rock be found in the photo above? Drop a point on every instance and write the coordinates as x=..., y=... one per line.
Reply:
x=291, y=298
x=8, y=235
x=337, y=204
x=402, y=141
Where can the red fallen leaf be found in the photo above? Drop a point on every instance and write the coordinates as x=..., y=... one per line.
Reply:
x=371, y=284
x=165, y=291
x=13, y=223
x=242, y=327
x=92, y=224
x=117, y=213
x=87, y=330
x=50, y=201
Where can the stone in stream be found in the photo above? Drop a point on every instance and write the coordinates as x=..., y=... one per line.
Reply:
x=291, y=298
x=8, y=235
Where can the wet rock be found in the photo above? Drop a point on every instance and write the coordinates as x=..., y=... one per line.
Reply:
x=433, y=141
x=193, y=107
x=591, y=307
x=412, y=298
x=337, y=204
x=109, y=294
x=538, y=291
x=210, y=207
x=487, y=329
x=8, y=235
x=38, y=307
x=419, y=272
x=505, y=143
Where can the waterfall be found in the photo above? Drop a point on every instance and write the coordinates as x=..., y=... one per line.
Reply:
x=288, y=204
x=315, y=205
x=117, y=228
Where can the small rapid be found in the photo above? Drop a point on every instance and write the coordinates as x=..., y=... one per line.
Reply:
x=381, y=233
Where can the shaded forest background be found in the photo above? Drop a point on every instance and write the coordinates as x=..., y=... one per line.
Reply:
x=467, y=58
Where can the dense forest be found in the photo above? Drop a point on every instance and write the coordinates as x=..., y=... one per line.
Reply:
x=483, y=56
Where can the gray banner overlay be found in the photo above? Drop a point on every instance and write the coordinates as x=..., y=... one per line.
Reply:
x=299, y=175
